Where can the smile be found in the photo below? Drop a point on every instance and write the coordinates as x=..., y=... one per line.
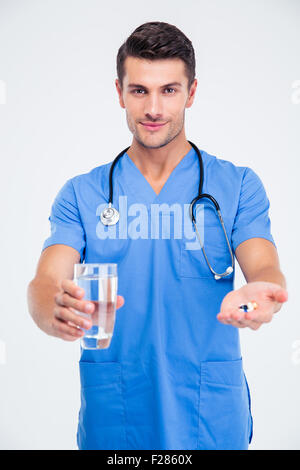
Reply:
x=153, y=127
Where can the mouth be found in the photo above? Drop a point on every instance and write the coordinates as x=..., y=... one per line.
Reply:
x=152, y=126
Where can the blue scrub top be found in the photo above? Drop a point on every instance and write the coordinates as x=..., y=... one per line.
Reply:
x=172, y=377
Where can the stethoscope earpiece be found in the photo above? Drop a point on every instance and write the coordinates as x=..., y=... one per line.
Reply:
x=228, y=271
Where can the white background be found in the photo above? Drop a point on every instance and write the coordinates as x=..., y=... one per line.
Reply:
x=61, y=117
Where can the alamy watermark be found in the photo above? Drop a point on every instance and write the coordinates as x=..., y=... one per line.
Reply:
x=295, y=96
x=138, y=222
x=2, y=352
x=2, y=92
x=296, y=353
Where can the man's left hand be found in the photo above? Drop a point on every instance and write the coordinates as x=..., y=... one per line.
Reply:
x=268, y=296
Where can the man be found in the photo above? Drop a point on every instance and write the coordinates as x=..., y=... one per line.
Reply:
x=173, y=376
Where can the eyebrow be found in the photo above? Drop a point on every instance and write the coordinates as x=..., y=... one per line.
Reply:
x=136, y=85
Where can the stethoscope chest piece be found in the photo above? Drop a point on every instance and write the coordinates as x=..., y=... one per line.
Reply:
x=110, y=216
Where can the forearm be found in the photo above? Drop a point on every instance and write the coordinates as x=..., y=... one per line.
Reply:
x=41, y=302
x=269, y=274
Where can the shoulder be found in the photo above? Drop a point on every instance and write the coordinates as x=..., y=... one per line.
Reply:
x=97, y=179
x=231, y=184
x=221, y=166
x=95, y=174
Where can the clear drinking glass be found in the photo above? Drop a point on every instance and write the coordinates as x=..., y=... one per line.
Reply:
x=100, y=284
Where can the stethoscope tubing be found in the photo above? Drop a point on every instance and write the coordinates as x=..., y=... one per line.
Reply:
x=110, y=216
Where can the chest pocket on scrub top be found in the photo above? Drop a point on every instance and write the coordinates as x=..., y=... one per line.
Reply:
x=192, y=260
x=104, y=244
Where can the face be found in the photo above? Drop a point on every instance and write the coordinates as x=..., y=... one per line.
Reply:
x=155, y=95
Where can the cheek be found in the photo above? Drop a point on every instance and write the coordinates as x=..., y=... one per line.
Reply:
x=130, y=117
x=133, y=102
x=177, y=117
x=134, y=112
x=176, y=109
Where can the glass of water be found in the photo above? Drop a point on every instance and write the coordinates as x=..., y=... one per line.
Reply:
x=100, y=284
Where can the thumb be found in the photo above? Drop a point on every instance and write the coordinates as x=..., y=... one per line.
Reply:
x=120, y=301
x=280, y=295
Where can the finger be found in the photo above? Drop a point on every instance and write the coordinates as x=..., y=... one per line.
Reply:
x=226, y=315
x=243, y=323
x=236, y=318
x=239, y=320
x=65, y=331
x=246, y=324
x=281, y=296
x=227, y=320
x=241, y=317
x=120, y=301
x=259, y=317
x=238, y=324
x=67, y=315
x=277, y=293
x=71, y=288
x=65, y=300
x=246, y=319
x=223, y=319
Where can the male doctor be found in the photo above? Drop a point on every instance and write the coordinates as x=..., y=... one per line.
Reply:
x=172, y=377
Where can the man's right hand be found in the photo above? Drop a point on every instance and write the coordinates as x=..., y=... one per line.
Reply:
x=67, y=324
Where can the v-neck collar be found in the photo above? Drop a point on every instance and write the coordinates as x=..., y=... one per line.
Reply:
x=138, y=185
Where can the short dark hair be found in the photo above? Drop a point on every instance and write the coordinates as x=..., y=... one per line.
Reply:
x=157, y=40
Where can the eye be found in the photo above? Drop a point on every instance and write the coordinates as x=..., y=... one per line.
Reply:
x=138, y=89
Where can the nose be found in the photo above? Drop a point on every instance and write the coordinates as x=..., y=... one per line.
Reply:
x=153, y=106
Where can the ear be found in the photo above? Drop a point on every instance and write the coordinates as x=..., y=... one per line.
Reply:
x=120, y=93
x=192, y=93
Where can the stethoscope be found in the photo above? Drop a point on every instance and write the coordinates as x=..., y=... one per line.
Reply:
x=110, y=215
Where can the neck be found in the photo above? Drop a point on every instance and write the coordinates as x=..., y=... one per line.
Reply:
x=158, y=163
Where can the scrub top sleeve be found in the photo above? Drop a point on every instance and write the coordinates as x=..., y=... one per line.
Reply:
x=252, y=218
x=65, y=222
